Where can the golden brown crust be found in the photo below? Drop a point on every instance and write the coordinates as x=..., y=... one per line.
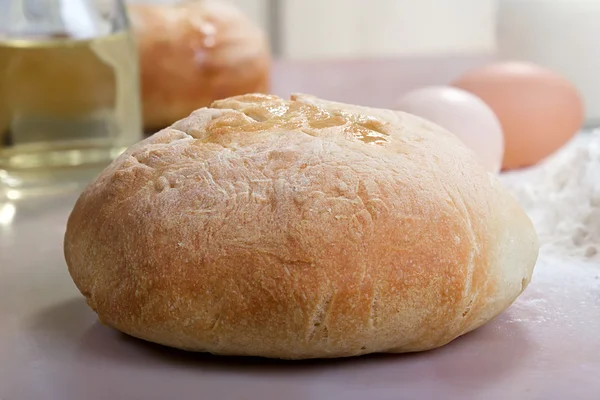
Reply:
x=273, y=228
x=195, y=52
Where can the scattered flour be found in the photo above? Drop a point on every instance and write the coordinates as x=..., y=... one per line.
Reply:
x=562, y=197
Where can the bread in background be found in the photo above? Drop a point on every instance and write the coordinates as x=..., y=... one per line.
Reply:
x=195, y=52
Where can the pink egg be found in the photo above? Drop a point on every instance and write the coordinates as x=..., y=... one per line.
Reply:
x=463, y=114
x=538, y=109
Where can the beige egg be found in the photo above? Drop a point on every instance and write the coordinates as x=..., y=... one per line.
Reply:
x=538, y=109
x=464, y=115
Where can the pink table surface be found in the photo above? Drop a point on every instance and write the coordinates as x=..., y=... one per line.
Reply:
x=369, y=82
x=545, y=346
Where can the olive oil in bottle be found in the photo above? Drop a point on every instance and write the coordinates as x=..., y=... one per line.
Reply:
x=66, y=105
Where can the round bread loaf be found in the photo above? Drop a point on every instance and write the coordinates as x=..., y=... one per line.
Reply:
x=195, y=52
x=298, y=229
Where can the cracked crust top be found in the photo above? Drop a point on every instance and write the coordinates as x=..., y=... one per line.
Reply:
x=298, y=229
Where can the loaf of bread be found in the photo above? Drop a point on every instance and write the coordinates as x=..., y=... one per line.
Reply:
x=195, y=52
x=298, y=229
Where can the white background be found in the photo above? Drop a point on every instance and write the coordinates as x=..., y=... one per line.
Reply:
x=357, y=28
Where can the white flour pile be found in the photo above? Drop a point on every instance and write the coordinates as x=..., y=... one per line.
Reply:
x=562, y=197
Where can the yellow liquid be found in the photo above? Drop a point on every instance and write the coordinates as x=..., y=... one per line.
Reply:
x=66, y=105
